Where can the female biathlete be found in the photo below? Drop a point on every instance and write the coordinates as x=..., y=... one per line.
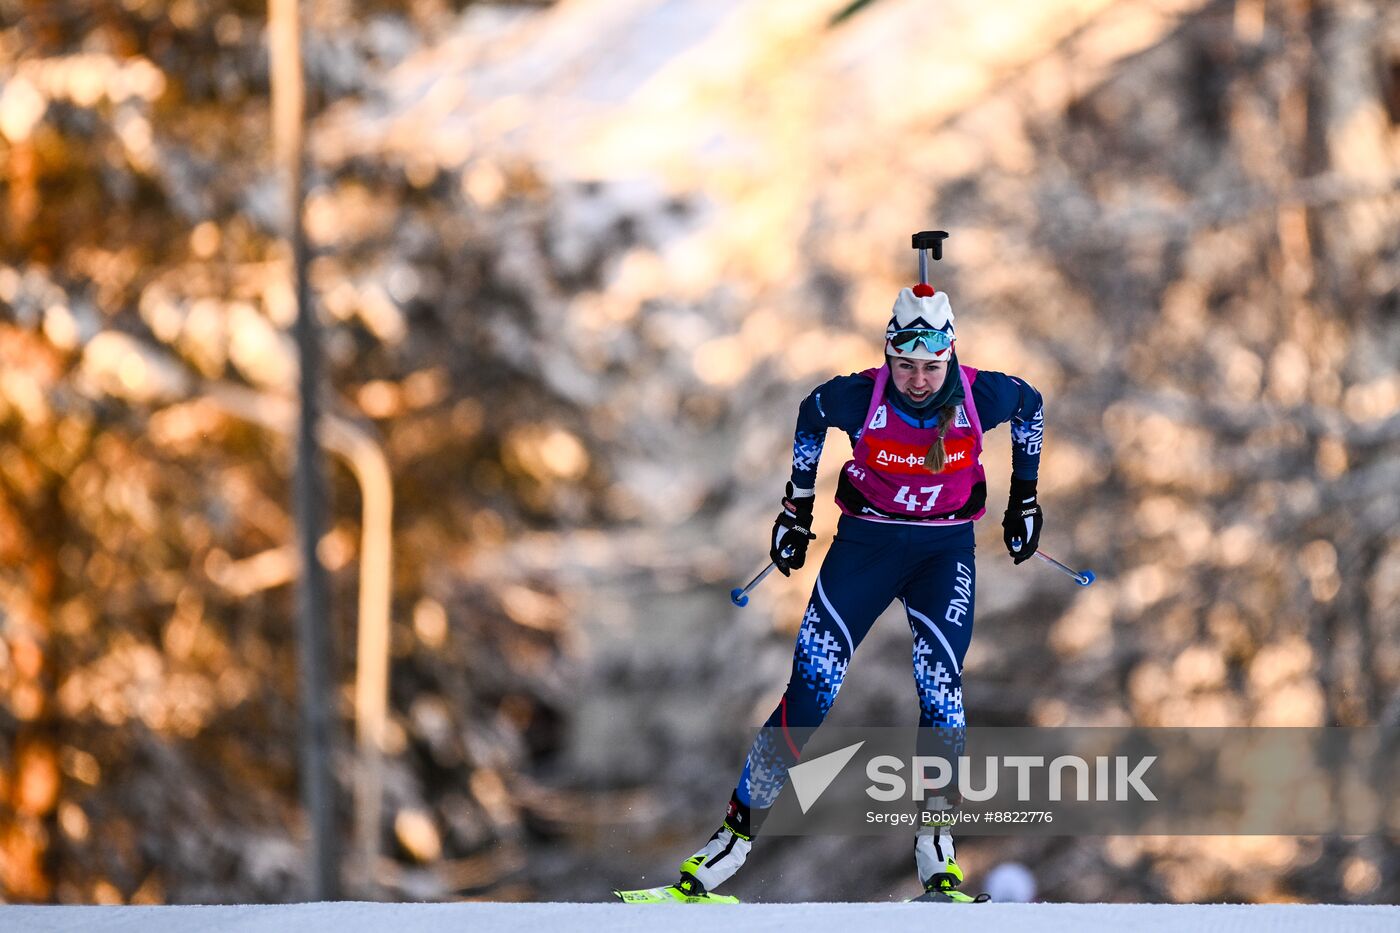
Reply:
x=908, y=498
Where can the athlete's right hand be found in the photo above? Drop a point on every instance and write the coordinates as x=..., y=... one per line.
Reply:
x=791, y=531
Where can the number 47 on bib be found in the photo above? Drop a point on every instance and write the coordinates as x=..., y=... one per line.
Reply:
x=911, y=501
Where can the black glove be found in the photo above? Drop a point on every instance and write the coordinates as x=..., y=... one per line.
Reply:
x=791, y=532
x=1020, y=528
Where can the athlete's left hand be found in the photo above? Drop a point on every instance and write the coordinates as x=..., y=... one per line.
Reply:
x=1020, y=527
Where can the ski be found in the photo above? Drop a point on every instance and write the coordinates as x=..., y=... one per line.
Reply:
x=671, y=894
x=949, y=896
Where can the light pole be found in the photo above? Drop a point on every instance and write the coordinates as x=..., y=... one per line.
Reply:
x=308, y=487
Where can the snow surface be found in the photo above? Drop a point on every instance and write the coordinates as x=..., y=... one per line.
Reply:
x=350, y=917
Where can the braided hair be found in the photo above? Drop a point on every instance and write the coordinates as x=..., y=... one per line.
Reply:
x=937, y=455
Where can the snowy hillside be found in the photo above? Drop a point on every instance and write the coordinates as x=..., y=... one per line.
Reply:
x=772, y=918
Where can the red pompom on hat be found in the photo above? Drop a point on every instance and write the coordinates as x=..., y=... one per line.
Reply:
x=923, y=290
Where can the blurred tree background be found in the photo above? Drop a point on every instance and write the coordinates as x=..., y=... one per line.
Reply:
x=578, y=263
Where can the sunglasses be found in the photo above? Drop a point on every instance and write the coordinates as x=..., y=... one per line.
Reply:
x=936, y=341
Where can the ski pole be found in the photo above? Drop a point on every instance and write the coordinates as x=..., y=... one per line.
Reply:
x=740, y=597
x=1083, y=579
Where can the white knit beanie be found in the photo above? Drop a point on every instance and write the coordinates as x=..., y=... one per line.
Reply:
x=921, y=308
